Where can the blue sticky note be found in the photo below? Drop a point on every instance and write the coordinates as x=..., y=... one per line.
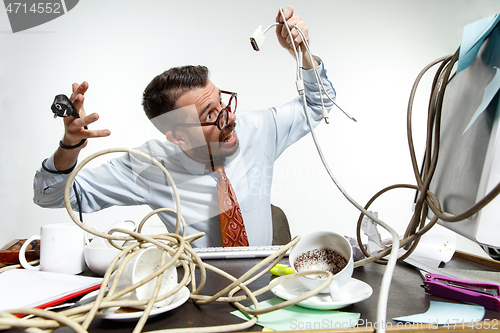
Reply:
x=441, y=313
x=489, y=92
x=472, y=39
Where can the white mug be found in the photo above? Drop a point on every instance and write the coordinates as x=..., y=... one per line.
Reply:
x=316, y=242
x=61, y=249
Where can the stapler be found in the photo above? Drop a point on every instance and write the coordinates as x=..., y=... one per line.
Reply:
x=485, y=294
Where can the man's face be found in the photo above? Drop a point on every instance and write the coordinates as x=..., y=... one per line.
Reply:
x=205, y=143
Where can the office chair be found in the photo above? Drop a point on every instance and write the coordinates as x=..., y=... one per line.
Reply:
x=281, y=229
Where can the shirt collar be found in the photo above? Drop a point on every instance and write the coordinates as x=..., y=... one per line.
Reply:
x=193, y=166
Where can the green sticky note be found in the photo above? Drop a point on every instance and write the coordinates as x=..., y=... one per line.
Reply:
x=295, y=317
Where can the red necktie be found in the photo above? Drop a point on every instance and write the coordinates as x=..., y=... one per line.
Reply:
x=231, y=221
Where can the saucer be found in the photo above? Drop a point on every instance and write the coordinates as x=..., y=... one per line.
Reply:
x=353, y=292
x=116, y=314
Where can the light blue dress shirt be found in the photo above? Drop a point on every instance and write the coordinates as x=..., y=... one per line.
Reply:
x=130, y=180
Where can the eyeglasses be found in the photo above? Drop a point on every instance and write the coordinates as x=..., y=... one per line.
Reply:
x=229, y=99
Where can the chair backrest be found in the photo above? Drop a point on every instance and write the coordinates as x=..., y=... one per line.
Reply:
x=281, y=229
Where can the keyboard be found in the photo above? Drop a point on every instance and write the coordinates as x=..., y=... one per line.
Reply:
x=237, y=252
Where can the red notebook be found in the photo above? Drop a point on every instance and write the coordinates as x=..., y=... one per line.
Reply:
x=21, y=288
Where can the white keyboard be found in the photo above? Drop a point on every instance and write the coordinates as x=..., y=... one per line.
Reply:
x=237, y=252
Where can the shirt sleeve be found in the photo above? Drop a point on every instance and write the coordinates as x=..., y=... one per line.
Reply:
x=113, y=183
x=287, y=123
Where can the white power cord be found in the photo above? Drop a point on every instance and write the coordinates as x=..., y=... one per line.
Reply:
x=319, y=82
x=386, y=280
x=258, y=39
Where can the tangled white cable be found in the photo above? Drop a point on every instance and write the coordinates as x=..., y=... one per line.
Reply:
x=386, y=280
x=178, y=248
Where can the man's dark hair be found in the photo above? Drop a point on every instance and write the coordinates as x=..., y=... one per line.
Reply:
x=161, y=94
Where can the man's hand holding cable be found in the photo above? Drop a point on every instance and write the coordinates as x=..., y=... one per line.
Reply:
x=74, y=130
x=285, y=40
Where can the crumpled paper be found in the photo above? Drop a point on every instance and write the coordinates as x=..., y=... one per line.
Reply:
x=436, y=246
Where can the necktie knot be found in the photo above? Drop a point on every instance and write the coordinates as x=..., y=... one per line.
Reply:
x=221, y=173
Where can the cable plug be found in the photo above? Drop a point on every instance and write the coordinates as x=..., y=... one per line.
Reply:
x=300, y=86
x=325, y=115
x=258, y=39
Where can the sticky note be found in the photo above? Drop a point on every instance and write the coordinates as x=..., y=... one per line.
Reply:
x=295, y=317
x=441, y=313
x=473, y=36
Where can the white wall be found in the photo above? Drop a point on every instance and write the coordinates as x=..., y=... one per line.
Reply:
x=373, y=51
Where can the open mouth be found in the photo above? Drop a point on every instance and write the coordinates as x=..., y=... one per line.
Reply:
x=230, y=137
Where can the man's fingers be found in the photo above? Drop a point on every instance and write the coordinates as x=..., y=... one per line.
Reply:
x=77, y=97
x=297, y=37
x=79, y=123
x=97, y=133
x=78, y=89
x=78, y=104
x=288, y=11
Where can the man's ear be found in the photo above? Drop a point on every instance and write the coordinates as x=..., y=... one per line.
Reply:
x=176, y=137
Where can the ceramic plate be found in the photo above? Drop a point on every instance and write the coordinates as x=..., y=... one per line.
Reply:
x=111, y=313
x=354, y=291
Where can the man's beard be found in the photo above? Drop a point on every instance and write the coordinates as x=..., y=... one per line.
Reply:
x=215, y=151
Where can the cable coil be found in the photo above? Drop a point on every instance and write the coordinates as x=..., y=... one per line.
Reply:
x=177, y=246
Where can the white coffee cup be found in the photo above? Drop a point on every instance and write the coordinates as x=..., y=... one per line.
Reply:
x=98, y=259
x=316, y=242
x=141, y=266
x=61, y=249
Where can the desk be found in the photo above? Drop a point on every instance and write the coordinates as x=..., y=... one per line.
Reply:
x=406, y=297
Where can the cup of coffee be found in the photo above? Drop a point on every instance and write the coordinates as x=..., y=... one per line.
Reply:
x=145, y=263
x=61, y=249
x=323, y=250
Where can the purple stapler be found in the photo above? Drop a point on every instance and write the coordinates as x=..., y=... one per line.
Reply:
x=485, y=294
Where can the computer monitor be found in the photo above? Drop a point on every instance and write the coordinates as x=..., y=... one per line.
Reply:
x=469, y=158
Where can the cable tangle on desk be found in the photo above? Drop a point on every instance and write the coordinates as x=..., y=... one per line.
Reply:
x=176, y=249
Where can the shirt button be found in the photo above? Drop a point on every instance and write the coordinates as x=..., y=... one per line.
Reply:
x=53, y=179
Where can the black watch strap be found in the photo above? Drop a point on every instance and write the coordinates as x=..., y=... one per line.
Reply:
x=65, y=172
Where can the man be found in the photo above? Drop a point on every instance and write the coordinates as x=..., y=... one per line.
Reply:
x=206, y=141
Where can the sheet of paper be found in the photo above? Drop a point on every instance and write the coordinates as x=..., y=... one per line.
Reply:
x=472, y=39
x=299, y=318
x=436, y=245
x=22, y=288
x=441, y=313
x=474, y=275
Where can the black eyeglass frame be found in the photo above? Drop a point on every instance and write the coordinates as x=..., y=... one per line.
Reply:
x=221, y=121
